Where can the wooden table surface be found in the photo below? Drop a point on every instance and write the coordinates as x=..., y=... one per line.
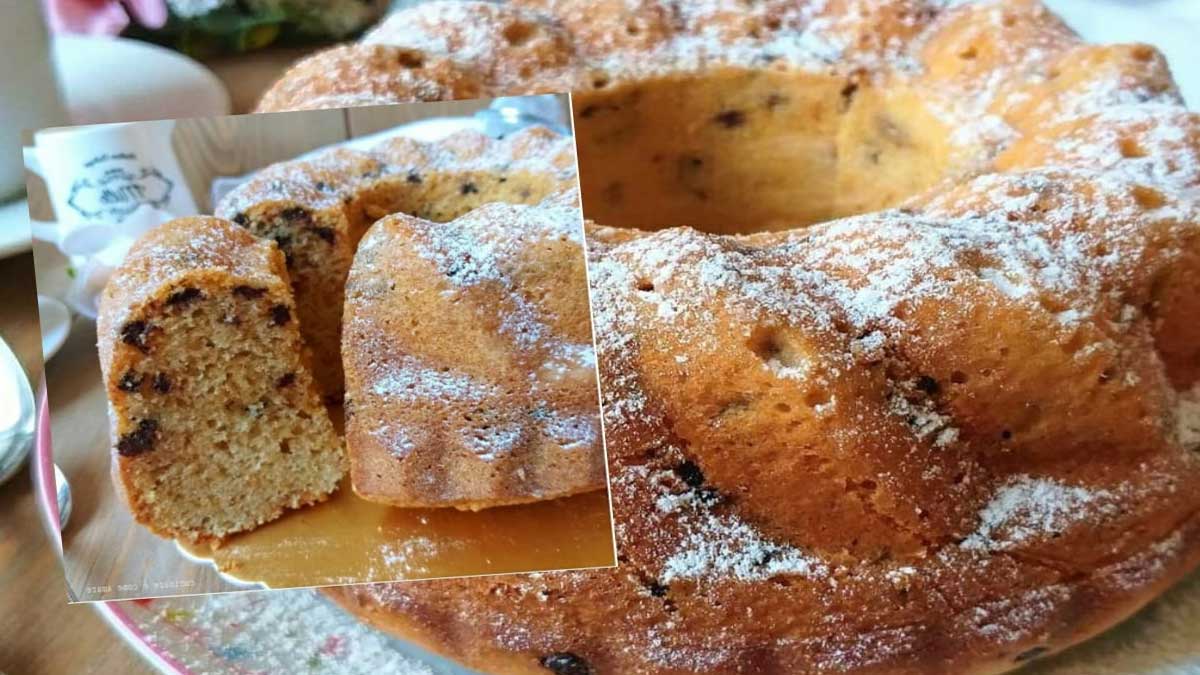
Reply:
x=42, y=633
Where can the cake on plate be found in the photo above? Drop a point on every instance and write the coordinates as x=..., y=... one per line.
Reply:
x=895, y=311
x=206, y=331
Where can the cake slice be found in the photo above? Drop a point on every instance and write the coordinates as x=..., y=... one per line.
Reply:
x=216, y=424
x=470, y=370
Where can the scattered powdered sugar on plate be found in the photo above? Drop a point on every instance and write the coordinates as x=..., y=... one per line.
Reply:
x=1028, y=509
x=274, y=632
x=409, y=554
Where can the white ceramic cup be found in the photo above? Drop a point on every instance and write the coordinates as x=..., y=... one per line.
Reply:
x=108, y=184
x=28, y=88
x=100, y=175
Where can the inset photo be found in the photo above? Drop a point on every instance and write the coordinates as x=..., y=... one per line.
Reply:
x=329, y=347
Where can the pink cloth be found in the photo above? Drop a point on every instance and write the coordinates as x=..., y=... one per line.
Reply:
x=103, y=17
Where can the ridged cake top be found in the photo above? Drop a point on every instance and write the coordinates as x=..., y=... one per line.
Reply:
x=471, y=375
x=333, y=176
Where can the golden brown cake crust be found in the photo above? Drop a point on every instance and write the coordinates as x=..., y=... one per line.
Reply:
x=470, y=371
x=949, y=497
x=944, y=438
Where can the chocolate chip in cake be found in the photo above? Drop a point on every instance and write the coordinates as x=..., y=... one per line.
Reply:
x=241, y=219
x=657, y=590
x=130, y=381
x=285, y=380
x=321, y=185
x=162, y=384
x=248, y=292
x=1030, y=654
x=468, y=188
x=730, y=119
x=413, y=177
x=139, y=441
x=183, y=296
x=325, y=233
x=135, y=333
x=689, y=472
x=928, y=385
x=280, y=315
x=296, y=214
x=410, y=58
x=689, y=165
x=848, y=93
x=565, y=663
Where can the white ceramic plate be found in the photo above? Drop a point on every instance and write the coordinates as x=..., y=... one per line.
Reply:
x=14, y=228
x=120, y=80
x=55, y=320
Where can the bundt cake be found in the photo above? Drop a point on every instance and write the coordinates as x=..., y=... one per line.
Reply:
x=217, y=426
x=470, y=370
x=951, y=428
x=317, y=209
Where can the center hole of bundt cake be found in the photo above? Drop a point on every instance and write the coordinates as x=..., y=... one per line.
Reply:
x=738, y=151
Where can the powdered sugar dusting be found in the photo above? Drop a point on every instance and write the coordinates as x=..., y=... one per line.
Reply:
x=332, y=178
x=1031, y=509
x=728, y=549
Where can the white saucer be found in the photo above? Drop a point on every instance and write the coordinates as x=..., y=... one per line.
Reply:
x=55, y=320
x=106, y=79
x=14, y=228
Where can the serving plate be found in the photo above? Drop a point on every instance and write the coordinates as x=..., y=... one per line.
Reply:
x=254, y=632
